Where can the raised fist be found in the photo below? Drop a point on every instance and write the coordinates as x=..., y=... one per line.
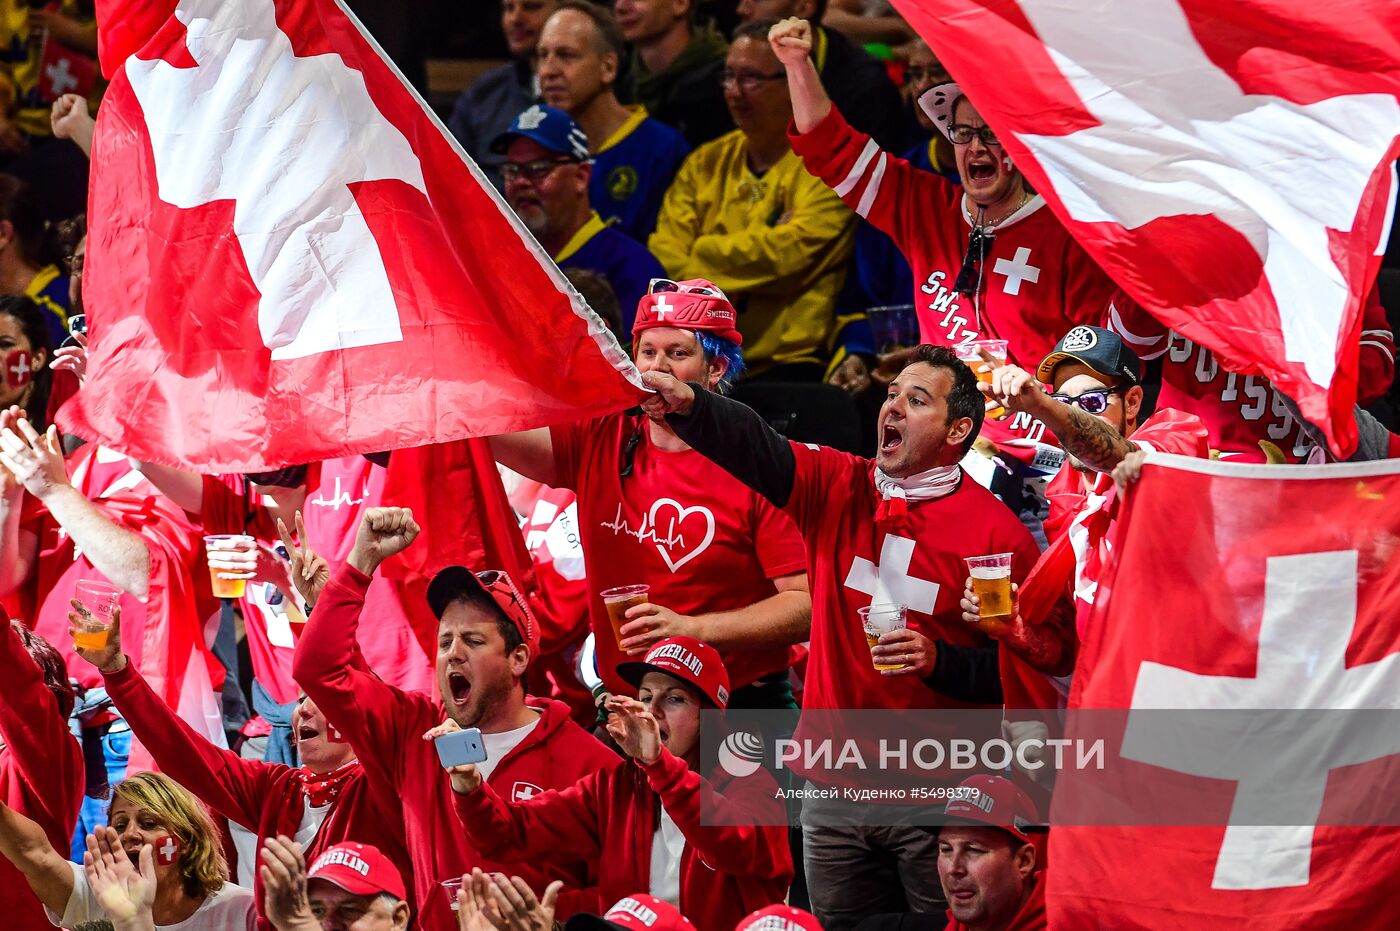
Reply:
x=383, y=532
x=673, y=396
x=791, y=40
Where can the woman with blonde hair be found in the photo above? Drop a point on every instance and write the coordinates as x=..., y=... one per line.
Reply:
x=149, y=812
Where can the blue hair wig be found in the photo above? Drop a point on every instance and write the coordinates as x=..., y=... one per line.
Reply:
x=715, y=348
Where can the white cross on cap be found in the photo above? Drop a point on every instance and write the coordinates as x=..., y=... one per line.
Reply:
x=662, y=307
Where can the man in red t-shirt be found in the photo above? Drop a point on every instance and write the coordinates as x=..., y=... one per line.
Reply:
x=990, y=260
x=1093, y=409
x=724, y=565
x=893, y=531
x=486, y=639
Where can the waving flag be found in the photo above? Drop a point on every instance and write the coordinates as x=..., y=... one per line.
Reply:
x=1229, y=164
x=289, y=260
x=1249, y=649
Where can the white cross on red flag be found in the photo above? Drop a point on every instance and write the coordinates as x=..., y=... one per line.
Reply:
x=1248, y=653
x=289, y=260
x=1229, y=164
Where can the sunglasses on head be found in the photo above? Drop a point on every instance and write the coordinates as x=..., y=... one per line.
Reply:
x=667, y=286
x=1094, y=401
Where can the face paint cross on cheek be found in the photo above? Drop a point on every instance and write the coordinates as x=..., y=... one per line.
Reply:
x=19, y=368
x=167, y=849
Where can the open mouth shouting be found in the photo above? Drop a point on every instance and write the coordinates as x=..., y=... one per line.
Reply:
x=306, y=732
x=891, y=438
x=981, y=169
x=459, y=688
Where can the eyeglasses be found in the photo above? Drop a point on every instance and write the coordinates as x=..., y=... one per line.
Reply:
x=667, y=286
x=748, y=80
x=962, y=134
x=1094, y=401
x=534, y=172
x=914, y=75
x=969, y=280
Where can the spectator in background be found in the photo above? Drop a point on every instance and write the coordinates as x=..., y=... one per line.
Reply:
x=634, y=156
x=486, y=108
x=24, y=353
x=28, y=265
x=38, y=41
x=599, y=294
x=987, y=861
x=745, y=214
x=41, y=767
x=867, y=21
x=676, y=66
x=856, y=81
x=547, y=170
x=350, y=886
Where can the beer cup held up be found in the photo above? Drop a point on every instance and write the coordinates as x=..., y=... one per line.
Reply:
x=881, y=619
x=99, y=600
x=972, y=354
x=991, y=583
x=225, y=543
x=618, y=600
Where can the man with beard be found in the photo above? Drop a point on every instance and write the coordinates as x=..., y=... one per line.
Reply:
x=487, y=638
x=547, y=170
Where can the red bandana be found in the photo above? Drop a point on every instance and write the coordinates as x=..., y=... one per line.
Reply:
x=322, y=789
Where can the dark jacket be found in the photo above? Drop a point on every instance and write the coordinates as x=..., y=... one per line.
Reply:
x=687, y=94
x=859, y=87
x=487, y=108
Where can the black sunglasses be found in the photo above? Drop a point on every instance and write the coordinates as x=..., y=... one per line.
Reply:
x=969, y=278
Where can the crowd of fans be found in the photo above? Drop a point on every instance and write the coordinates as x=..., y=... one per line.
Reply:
x=732, y=204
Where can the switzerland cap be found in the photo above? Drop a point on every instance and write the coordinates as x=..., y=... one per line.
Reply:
x=693, y=304
x=635, y=913
x=993, y=801
x=779, y=918
x=688, y=660
x=359, y=869
x=1102, y=350
x=455, y=581
x=550, y=128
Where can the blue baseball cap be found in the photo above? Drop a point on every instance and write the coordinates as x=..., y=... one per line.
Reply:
x=548, y=126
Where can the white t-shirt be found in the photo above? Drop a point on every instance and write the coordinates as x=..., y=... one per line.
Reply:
x=232, y=908
x=667, y=845
x=245, y=841
x=499, y=745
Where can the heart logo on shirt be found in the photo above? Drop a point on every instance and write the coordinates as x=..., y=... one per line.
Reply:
x=673, y=532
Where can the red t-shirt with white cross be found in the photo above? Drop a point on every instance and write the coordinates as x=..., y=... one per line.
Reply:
x=851, y=559
x=703, y=541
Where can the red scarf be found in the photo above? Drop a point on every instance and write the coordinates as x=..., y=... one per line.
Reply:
x=323, y=788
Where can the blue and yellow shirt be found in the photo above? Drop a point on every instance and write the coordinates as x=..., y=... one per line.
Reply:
x=632, y=170
x=624, y=262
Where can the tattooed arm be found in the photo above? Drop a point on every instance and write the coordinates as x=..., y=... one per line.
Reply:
x=1089, y=439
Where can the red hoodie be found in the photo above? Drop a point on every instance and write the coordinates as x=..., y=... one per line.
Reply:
x=41, y=772
x=388, y=724
x=1031, y=917
x=264, y=797
x=611, y=817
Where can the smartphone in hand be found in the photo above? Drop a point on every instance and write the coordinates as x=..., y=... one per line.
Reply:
x=459, y=748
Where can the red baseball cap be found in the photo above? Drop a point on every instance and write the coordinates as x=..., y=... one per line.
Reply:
x=359, y=869
x=996, y=802
x=693, y=304
x=455, y=581
x=635, y=913
x=688, y=660
x=779, y=918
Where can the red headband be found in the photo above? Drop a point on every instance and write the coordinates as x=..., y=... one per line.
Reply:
x=689, y=311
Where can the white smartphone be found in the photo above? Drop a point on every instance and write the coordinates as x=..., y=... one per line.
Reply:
x=459, y=748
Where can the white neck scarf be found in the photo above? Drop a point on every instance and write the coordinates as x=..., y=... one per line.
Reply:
x=896, y=493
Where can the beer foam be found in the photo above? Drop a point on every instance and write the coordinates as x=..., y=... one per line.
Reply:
x=990, y=572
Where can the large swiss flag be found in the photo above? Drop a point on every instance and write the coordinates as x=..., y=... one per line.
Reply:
x=1247, y=654
x=290, y=260
x=1229, y=164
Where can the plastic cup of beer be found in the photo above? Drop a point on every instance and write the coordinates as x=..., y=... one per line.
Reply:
x=99, y=600
x=972, y=355
x=224, y=543
x=881, y=619
x=991, y=583
x=618, y=600
x=451, y=886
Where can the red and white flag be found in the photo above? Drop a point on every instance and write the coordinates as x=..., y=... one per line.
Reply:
x=1229, y=164
x=1250, y=649
x=64, y=71
x=290, y=260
